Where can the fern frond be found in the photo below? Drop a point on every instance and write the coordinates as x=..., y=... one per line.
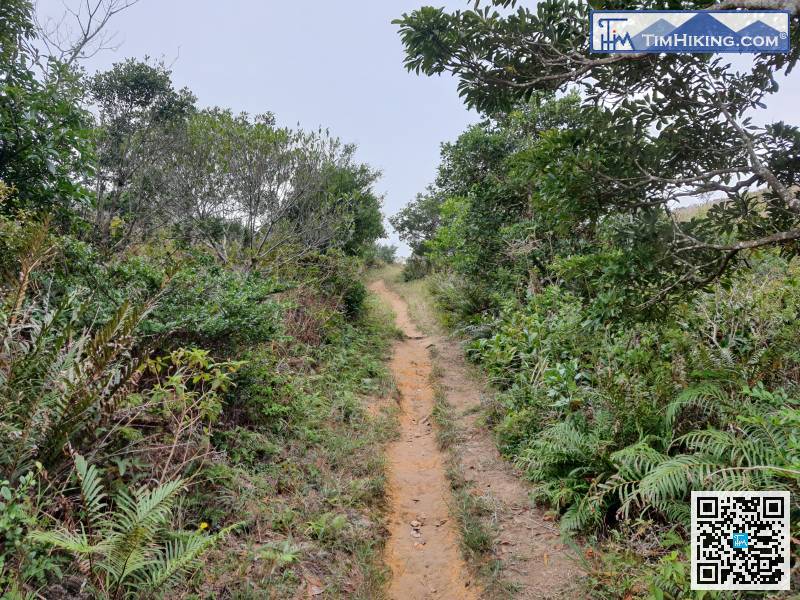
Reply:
x=673, y=479
x=180, y=557
x=149, y=508
x=77, y=543
x=636, y=460
x=137, y=523
x=91, y=491
x=707, y=396
x=727, y=447
x=584, y=514
x=626, y=490
x=676, y=512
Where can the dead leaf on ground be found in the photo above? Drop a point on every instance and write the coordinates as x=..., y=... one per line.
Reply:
x=314, y=586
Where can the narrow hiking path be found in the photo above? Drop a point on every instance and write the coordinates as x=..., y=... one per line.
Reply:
x=423, y=547
x=532, y=560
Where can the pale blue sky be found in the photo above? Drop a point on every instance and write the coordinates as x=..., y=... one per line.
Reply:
x=335, y=64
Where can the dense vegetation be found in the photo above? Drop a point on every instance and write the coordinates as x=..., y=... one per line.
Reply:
x=180, y=288
x=642, y=350
x=184, y=334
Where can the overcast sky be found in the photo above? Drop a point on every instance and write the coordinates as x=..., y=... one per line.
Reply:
x=335, y=64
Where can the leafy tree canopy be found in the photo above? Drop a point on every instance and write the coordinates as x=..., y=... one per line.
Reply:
x=656, y=132
x=350, y=188
x=44, y=134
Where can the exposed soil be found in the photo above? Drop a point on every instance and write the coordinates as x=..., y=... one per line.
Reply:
x=423, y=547
x=535, y=562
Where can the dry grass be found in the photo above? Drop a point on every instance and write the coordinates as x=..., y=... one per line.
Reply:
x=312, y=491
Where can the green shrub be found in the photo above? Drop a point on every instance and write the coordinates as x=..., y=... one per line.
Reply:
x=214, y=306
x=264, y=394
x=21, y=561
x=461, y=301
x=353, y=299
x=245, y=447
x=380, y=254
x=123, y=546
x=622, y=420
x=200, y=302
x=416, y=267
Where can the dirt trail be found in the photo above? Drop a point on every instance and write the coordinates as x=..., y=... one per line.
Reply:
x=534, y=561
x=423, y=547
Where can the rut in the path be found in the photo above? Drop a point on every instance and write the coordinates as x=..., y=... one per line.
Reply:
x=423, y=547
x=534, y=560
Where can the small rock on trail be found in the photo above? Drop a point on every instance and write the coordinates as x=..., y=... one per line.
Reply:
x=423, y=548
x=426, y=561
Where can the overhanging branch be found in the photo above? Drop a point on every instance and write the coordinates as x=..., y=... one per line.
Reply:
x=793, y=6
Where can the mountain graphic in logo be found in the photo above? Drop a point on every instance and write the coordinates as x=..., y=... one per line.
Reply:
x=700, y=26
x=660, y=27
x=756, y=29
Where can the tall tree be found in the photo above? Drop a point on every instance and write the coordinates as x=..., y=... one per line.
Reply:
x=44, y=141
x=417, y=222
x=350, y=188
x=140, y=118
x=252, y=191
x=681, y=125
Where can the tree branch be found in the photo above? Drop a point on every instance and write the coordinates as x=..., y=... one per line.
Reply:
x=793, y=6
x=91, y=18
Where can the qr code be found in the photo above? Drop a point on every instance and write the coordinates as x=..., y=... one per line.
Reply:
x=740, y=540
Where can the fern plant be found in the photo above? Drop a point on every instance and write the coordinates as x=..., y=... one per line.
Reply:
x=757, y=449
x=754, y=451
x=708, y=398
x=58, y=380
x=128, y=551
x=566, y=460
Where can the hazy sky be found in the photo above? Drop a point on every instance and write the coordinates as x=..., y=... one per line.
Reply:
x=336, y=64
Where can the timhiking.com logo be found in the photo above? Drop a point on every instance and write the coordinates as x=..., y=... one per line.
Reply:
x=677, y=31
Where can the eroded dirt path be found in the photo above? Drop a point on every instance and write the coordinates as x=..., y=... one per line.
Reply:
x=528, y=544
x=423, y=547
x=535, y=562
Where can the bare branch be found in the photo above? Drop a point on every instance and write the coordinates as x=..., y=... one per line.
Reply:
x=758, y=165
x=769, y=240
x=80, y=32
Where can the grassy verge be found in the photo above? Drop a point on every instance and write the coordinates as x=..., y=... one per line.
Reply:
x=473, y=514
x=309, y=483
